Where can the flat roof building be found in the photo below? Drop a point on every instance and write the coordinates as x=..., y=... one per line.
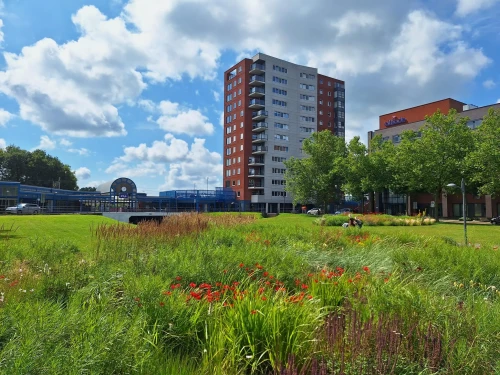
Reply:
x=270, y=107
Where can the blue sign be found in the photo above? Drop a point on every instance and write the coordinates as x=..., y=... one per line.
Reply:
x=123, y=195
x=396, y=121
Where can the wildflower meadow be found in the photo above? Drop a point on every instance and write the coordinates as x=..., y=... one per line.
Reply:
x=241, y=294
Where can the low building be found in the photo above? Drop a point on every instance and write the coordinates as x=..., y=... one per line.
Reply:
x=392, y=125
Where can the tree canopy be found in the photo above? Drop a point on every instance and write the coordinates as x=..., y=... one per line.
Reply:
x=35, y=168
x=318, y=177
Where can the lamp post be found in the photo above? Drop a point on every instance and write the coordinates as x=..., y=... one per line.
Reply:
x=464, y=207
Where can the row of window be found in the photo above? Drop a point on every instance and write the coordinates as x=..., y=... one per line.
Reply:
x=306, y=87
x=278, y=193
x=233, y=84
x=279, y=91
x=278, y=182
x=228, y=139
x=281, y=114
x=307, y=118
x=235, y=172
x=281, y=137
x=278, y=159
x=283, y=81
x=336, y=85
x=306, y=130
x=279, y=170
x=229, y=151
x=229, y=162
x=281, y=148
x=309, y=108
x=281, y=103
x=307, y=97
x=280, y=69
x=230, y=118
x=279, y=125
x=308, y=76
x=233, y=72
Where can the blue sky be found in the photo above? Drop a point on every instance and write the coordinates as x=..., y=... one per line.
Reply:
x=134, y=88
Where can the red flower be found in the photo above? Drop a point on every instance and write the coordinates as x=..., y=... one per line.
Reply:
x=265, y=274
x=235, y=283
x=195, y=295
x=137, y=299
x=366, y=269
x=304, y=286
x=192, y=285
x=205, y=286
x=175, y=286
x=2, y=276
x=242, y=265
x=225, y=271
x=178, y=278
x=14, y=283
x=162, y=304
x=166, y=293
x=349, y=281
x=253, y=312
x=259, y=266
x=310, y=275
x=261, y=290
x=264, y=298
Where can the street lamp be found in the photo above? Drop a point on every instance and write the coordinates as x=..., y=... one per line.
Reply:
x=462, y=187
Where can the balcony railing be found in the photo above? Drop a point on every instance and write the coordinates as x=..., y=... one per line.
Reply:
x=257, y=80
x=259, y=138
x=257, y=92
x=255, y=161
x=259, y=126
x=259, y=150
x=257, y=104
x=258, y=172
x=257, y=68
x=259, y=115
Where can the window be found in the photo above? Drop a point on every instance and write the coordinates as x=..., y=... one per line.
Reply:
x=321, y=91
x=239, y=170
x=241, y=113
x=231, y=74
x=279, y=125
x=329, y=93
x=280, y=80
x=339, y=85
x=239, y=103
x=329, y=104
x=320, y=112
x=329, y=83
x=234, y=105
x=239, y=79
x=396, y=138
x=229, y=87
x=229, y=98
x=234, y=183
x=321, y=122
x=228, y=151
x=241, y=147
x=234, y=127
x=281, y=148
x=234, y=116
x=339, y=94
x=229, y=108
x=306, y=87
x=329, y=124
x=339, y=105
x=241, y=124
x=278, y=182
x=280, y=114
x=341, y=114
x=308, y=76
x=280, y=69
x=279, y=170
x=239, y=157
x=307, y=108
x=278, y=159
x=241, y=136
x=307, y=118
x=239, y=69
x=234, y=149
x=239, y=92
x=329, y=114
x=340, y=125
x=306, y=97
x=228, y=162
x=306, y=130
x=228, y=120
x=228, y=130
x=234, y=138
x=279, y=91
x=321, y=102
x=281, y=103
x=281, y=137
x=228, y=173
x=234, y=160
x=279, y=194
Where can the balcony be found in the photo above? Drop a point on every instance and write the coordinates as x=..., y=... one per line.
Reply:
x=259, y=115
x=256, y=172
x=257, y=104
x=258, y=196
x=257, y=92
x=257, y=68
x=257, y=138
x=258, y=127
x=255, y=161
x=257, y=81
x=256, y=186
x=259, y=150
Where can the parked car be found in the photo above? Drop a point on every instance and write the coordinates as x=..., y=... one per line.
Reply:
x=24, y=208
x=343, y=211
x=495, y=220
x=314, y=211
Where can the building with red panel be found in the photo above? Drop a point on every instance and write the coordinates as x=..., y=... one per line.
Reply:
x=392, y=125
x=270, y=107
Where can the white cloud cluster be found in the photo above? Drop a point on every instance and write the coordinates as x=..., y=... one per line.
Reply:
x=3, y=144
x=466, y=7
x=82, y=173
x=182, y=164
x=1, y=32
x=5, y=117
x=183, y=121
x=45, y=143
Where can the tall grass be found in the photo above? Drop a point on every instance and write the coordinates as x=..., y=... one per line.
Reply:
x=234, y=295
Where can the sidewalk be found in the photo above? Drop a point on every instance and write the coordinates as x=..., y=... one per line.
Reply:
x=473, y=222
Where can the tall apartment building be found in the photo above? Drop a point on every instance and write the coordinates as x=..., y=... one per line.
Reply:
x=271, y=106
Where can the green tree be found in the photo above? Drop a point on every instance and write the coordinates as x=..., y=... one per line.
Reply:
x=35, y=168
x=484, y=161
x=318, y=177
x=356, y=180
x=90, y=188
x=437, y=158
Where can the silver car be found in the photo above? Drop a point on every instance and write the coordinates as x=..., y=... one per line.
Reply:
x=24, y=208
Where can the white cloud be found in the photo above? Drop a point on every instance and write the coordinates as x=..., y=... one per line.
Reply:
x=80, y=151
x=143, y=169
x=1, y=25
x=3, y=144
x=46, y=143
x=65, y=142
x=82, y=173
x=352, y=21
x=498, y=101
x=198, y=164
x=5, y=117
x=216, y=95
x=489, y=84
x=160, y=152
x=466, y=7
x=147, y=105
x=183, y=121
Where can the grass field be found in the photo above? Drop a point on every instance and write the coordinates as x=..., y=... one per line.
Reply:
x=226, y=294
